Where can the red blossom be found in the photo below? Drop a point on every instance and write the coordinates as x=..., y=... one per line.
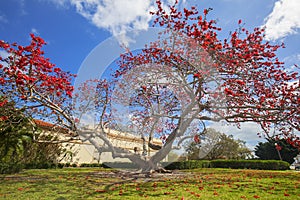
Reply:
x=3, y=118
x=197, y=139
x=286, y=194
x=144, y=87
x=205, y=11
x=278, y=147
x=197, y=75
x=34, y=77
x=2, y=103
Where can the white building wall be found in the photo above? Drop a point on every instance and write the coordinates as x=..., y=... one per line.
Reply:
x=87, y=153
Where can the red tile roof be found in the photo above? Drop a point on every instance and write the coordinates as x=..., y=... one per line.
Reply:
x=43, y=124
x=49, y=126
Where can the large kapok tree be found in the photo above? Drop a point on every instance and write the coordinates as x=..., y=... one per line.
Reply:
x=172, y=89
x=188, y=78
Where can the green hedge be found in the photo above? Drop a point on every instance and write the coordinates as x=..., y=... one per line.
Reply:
x=119, y=165
x=251, y=164
x=90, y=165
x=10, y=168
x=190, y=164
x=40, y=166
x=194, y=164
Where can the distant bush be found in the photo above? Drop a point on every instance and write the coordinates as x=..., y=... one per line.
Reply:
x=90, y=165
x=234, y=164
x=10, y=168
x=34, y=165
x=190, y=164
x=6, y=168
x=251, y=164
x=74, y=165
x=60, y=165
x=119, y=165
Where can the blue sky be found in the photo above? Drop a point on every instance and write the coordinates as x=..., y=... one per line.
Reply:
x=73, y=28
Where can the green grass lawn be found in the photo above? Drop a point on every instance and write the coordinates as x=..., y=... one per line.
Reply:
x=93, y=183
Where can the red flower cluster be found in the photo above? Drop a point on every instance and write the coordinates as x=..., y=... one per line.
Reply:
x=32, y=81
x=30, y=71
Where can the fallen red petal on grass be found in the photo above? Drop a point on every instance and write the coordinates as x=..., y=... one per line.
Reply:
x=100, y=191
x=120, y=192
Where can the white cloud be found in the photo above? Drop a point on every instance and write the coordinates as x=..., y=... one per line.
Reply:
x=284, y=19
x=59, y=3
x=35, y=31
x=291, y=61
x=293, y=58
x=117, y=16
x=3, y=54
x=3, y=19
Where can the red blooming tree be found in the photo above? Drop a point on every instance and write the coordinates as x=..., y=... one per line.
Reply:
x=171, y=90
x=189, y=78
x=34, y=85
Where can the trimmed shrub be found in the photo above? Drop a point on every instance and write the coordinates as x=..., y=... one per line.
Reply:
x=120, y=165
x=74, y=165
x=190, y=164
x=234, y=164
x=90, y=165
x=251, y=164
x=46, y=165
x=60, y=165
x=10, y=168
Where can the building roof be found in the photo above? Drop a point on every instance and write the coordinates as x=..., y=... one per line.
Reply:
x=52, y=127
x=43, y=124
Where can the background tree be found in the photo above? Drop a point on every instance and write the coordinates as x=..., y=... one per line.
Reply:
x=220, y=146
x=188, y=78
x=243, y=151
x=268, y=151
x=173, y=156
x=229, y=148
x=20, y=142
x=15, y=134
x=199, y=150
